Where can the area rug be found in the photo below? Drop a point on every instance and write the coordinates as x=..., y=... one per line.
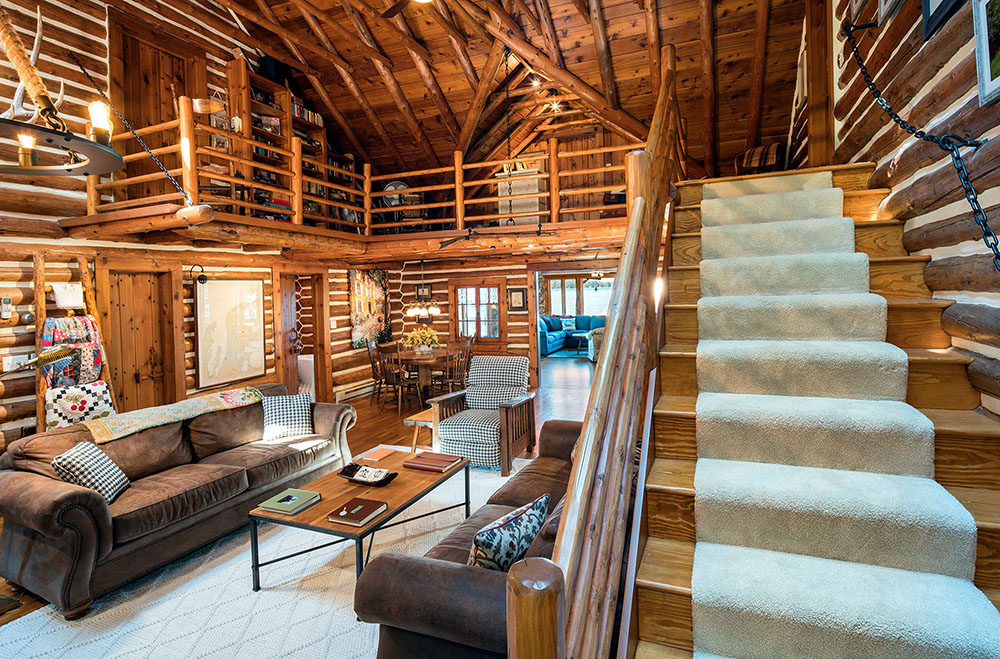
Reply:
x=203, y=605
x=572, y=353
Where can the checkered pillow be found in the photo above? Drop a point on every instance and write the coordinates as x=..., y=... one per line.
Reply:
x=287, y=416
x=88, y=466
x=504, y=542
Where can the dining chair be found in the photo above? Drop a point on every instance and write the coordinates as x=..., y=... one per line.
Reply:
x=377, y=378
x=456, y=366
x=394, y=376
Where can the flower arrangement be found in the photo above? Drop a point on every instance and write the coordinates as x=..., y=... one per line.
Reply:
x=421, y=336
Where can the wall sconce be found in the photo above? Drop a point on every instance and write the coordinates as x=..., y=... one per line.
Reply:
x=202, y=277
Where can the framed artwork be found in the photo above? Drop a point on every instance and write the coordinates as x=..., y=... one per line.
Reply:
x=986, y=18
x=517, y=299
x=424, y=292
x=937, y=13
x=369, y=299
x=856, y=7
x=229, y=331
x=887, y=8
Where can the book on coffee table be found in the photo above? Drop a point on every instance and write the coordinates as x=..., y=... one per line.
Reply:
x=358, y=511
x=377, y=454
x=428, y=461
x=291, y=501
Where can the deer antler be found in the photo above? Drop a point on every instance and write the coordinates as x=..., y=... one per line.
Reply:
x=17, y=109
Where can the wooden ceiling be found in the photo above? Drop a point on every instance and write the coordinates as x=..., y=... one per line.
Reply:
x=401, y=89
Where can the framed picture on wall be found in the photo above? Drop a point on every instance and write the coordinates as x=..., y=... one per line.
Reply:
x=937, y=13
x=986, y=18
x=517, y=299
x=229, y=331
x=887, y=8
x=856, y=7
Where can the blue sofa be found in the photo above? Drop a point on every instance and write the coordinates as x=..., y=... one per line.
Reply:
x=552, y=337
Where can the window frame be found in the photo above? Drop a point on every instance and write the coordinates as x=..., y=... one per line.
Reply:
x=500, y=283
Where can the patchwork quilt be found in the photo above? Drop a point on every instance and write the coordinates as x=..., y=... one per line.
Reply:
x=83, y=365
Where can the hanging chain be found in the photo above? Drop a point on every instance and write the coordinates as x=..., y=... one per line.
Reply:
x=127, y=125
x=951, y=143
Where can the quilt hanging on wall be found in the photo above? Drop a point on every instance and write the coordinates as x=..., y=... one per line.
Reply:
x=229, y=329
x=369, y=297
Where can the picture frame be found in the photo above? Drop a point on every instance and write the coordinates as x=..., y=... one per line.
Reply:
x=517, y=299
x=424, y=292
x=856, y=7
x=229, y=331
x=986, y=19
x=936, y=13
x=886, y=8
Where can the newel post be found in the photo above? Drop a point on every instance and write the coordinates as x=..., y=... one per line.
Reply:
x=536, y=610
x=368, y=198
x=297, y=185
x=638, y=173
x=189, y=166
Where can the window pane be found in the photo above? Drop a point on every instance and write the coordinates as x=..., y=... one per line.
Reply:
x=555, y=295
x=466, y=311
x=597, y=296
x=570, y=297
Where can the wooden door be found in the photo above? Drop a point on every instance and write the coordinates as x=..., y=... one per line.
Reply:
x=139, y=346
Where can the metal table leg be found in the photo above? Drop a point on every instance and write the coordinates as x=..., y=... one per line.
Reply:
x=468, y=500
x=254, y=555
x=359, y=556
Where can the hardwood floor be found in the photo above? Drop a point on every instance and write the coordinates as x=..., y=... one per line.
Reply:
x=562, y=394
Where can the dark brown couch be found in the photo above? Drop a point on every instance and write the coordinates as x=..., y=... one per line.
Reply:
x=436, y=605
x=192, y=482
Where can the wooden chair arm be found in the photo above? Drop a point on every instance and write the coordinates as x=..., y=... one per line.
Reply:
x=519, y=401
x=517, y=429
x=447, y=405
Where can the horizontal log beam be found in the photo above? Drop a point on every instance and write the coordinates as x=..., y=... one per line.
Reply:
x=984, y=373
x=963, y=273
x=957, y=229
x=973, y=322
x=275, y=238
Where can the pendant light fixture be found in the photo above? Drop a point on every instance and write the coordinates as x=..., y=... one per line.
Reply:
x=423, y=309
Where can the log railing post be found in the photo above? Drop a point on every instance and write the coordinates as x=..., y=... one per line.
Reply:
x=536, y=610
x=553, y=180
x=297, y=184
x=459, y=192
x=368, y=198
x=38, y=272
x=93, y=195
x=189, y=166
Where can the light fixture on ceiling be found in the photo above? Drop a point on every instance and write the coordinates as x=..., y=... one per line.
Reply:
x=423, y=308
x=535, y=82
x=597, y=274
x=84, y=156
x=555, y=106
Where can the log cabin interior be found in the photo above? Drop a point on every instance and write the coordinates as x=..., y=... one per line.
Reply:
x=632, y=328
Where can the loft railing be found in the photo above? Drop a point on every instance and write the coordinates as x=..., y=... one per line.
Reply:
x=237, y=174
x=565, y=607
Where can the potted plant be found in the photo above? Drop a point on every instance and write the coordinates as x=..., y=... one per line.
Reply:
x=421, y=339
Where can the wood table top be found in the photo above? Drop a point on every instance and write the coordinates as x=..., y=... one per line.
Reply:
x=436, y=354
x=407, y=488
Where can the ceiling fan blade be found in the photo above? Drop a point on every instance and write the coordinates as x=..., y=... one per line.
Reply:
x=395, y=9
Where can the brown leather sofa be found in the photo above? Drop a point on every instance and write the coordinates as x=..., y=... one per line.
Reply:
x=436, y=605
x=192, y=482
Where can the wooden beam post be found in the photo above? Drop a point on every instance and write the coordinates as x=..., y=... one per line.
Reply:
x=549, y=33
x=536, y=610
x=708, y=83
x=553, y=180
x=651, y=12
x=189, y=164
x=603, y=52
x=459, y=191
x=297, y=184
x=38, y=263
x=368, y=198
x=757, y=76
x=472, y=117
x=819, y=82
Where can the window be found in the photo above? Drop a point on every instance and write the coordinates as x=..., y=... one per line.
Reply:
x=597, y=296
x=578, y=295
x=479, y=310
x=555, y=297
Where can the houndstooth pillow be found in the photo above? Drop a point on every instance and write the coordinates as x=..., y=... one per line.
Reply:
x=88, y=466
x=504, y=542
x=287, y=416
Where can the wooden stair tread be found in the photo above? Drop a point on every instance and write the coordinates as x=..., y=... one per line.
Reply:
x=666, y=565
x=875, y=259
x=679, y=350
x=671, y=475
x=650, y=650
x=963, y=423
x=788, y=172
x=983, y=504
x=993, y=595
x=866, y=223
x=916, y=355
x=675, y=405
x=905, y=303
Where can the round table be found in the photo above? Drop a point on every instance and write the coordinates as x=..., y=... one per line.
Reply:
x=425, y=362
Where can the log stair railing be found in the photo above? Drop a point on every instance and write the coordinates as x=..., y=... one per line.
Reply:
x=566, y=607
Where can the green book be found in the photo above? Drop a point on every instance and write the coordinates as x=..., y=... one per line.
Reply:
x=291, y=501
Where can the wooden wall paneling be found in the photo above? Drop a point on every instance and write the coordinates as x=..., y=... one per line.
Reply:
x=759, y=58
x=819, y=82
x=323, y=362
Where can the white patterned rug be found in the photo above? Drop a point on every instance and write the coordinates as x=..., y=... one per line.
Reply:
x=203, y=605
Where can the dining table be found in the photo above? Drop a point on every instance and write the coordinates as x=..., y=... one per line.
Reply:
x=427, y=362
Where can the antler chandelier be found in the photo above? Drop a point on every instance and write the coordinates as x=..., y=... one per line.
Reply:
x=93, y=156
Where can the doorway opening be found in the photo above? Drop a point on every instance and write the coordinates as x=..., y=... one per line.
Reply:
x=304, y=349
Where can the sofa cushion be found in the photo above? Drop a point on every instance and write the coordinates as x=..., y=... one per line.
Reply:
x=505, y=541
x=583, y=323
x=454, y=548
x=598, y=321
x=161, y=499
x=138, y=455
x=226, y=429
x=268, y=460
x=473, y=434
x=554, y=324
x=88, y=466
x=538, y=477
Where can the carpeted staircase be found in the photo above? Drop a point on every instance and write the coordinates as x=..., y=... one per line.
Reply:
x=820, y=530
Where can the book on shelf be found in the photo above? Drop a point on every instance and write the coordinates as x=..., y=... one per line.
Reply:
x=358, y=511
x=429, y=461
x=290, y=501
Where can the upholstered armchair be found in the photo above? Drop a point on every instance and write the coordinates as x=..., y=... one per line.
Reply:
x=493, y=419
x=595, y=338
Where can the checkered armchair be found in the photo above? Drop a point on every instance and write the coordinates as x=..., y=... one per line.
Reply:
x=493, y=419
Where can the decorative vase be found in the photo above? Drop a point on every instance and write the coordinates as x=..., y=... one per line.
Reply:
x=422, y=350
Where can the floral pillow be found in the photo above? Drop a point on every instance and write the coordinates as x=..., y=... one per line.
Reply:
x=504, y=542
x=568, y=324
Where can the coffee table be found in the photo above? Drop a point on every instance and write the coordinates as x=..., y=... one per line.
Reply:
x=409, y=487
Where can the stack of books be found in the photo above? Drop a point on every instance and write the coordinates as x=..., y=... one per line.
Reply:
x=429, y=461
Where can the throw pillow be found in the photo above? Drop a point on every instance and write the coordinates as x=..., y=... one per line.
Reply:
x=88, y=466
x=287, y=416
x=504, y=542
x=552, y=323
x=65, y=406
x=568, y=324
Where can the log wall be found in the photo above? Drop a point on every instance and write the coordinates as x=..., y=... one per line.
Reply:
x=933, y=85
